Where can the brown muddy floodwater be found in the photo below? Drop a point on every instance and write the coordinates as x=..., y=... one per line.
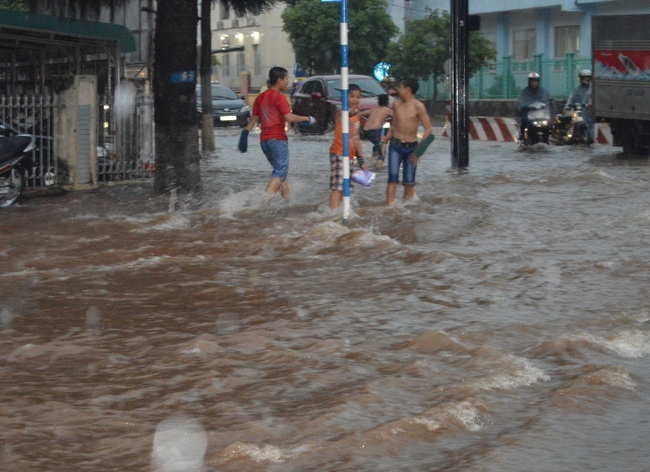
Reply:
x=500, y=322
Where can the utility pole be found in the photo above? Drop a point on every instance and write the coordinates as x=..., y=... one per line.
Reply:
x=207, y=123
x=460, y=83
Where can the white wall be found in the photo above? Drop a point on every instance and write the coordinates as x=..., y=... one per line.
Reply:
x=275, y=48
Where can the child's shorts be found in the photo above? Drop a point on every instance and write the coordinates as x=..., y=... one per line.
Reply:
x=336, y=172
x=277, y=153
x=400, y=155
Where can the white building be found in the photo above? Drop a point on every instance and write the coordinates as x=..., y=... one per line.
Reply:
x=249, y=45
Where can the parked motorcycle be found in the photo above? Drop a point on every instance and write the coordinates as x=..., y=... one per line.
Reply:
x=570, y=127
x=15, y=164
x=538, y=124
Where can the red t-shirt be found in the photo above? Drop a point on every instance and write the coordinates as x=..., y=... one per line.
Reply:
x=271, y=106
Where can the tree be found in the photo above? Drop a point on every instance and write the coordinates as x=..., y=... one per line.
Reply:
x=424, y=48
x=177, y=149
x=314, y=33
x=80, y=9
x=18, y=5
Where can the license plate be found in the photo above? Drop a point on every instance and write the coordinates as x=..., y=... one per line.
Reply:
x=228, y=118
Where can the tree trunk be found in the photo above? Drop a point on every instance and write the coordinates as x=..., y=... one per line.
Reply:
x=177, y=140
x=207, y=125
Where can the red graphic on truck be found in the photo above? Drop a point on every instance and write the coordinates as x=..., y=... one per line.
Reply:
x=627, y=65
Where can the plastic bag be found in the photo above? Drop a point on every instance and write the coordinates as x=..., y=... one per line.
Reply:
x=363, y=177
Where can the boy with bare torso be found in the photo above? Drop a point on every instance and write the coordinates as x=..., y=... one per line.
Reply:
x=408, y=114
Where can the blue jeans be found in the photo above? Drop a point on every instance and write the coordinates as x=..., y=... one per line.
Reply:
x=277, y=153
x=398, y=155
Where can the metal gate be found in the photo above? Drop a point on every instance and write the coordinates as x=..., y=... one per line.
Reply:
x=125, y=148
x=32, y=115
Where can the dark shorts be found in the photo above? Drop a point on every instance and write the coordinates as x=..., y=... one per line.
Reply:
x=374, y=136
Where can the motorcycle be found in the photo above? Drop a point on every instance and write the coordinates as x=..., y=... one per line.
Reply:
x=15, y=164
x=570, y=127
x=538, y=124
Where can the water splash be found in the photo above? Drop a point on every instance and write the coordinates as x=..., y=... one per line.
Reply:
x=124, y=100
x=6, y=317
x=93, y=319
x=179, y=444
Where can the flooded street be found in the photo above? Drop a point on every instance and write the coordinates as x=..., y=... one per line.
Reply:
x=500, y=322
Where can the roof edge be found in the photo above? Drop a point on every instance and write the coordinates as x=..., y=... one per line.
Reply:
x=70, y=27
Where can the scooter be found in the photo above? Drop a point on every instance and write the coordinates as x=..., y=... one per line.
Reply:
x=538, y=124
x=15, y=164
x=570, y=127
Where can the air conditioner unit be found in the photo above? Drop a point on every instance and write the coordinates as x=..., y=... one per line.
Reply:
x=250, y=21
x=235, y=23
x=219, y=25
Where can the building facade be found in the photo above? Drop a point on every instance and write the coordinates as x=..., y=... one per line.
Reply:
x=247, y=47
x=139, y=16
x=551, y=37
x=523, y=28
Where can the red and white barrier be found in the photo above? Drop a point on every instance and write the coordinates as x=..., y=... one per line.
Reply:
x=488, y=129
x=604, y=134
x=483, y=128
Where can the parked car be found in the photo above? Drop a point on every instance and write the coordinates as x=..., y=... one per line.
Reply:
x=320, y=97
x=227, y=108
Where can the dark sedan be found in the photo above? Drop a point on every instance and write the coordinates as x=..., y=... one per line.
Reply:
x=320, y=97
x=227, y=108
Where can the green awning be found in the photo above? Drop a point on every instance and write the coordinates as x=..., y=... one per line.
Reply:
x=68, y=27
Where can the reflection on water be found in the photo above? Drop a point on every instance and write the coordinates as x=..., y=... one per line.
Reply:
x=471, y=329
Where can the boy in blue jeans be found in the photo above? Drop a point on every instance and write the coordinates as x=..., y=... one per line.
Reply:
x=272, y=110
x=408, y=114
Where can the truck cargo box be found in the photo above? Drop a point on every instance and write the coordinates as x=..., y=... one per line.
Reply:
x=621, y=77
x=622, y=66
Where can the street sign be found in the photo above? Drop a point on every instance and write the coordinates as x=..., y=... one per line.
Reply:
x=183, y=77
x=382, y=71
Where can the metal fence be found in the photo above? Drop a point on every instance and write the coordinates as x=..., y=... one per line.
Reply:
x=32, y=115
x=125, y=148
x=504, y=80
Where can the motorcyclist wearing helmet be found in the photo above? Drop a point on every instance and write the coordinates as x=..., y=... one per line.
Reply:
x=531, y=94
x=582, y=95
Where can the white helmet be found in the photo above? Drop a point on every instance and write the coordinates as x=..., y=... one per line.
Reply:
x=533, y=76
x=584, y=76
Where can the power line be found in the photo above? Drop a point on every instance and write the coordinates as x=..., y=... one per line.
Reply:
x=408, y=8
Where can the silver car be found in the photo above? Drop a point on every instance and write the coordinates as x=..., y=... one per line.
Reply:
x=227, y=108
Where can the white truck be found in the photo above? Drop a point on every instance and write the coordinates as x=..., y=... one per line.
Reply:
x=621, y=78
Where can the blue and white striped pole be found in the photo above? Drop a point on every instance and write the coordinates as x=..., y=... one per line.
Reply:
x=345, y=114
